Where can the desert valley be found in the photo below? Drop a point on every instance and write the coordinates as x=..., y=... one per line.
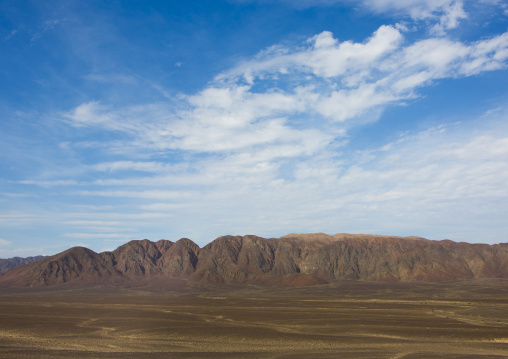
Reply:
x=314, y=295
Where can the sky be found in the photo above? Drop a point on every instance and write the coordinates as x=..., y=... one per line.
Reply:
x=125, y=120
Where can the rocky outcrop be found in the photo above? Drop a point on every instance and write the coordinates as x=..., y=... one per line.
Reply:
x=293, y=260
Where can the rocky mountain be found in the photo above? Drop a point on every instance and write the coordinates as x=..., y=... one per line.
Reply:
x=292, y=260
x=11, y=263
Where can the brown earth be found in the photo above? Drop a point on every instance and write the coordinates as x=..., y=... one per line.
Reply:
x=349, y=319
x=293, y=260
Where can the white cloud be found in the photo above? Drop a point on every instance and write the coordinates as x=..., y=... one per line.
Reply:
x=47, y=26
x=133, y=166
x=4, y=243
x=153, y=194
x=446, y=14
x=123, y=120
x=163, y=207
x=99, y=225
x=486, y=55
x=411, y=187
x=344, y=80
x=99, y=236
x=329, y=58
x=50, y=183
x=11, y=34
x=446, y=182
x=345, y=104
x=339, y=81
x=435, y=54
x=217, y=119
x=324, y=57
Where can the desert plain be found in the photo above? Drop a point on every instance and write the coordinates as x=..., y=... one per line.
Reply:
x=347, y=319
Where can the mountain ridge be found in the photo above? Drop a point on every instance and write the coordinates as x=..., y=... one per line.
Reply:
x=14, y=262
x=292, y=260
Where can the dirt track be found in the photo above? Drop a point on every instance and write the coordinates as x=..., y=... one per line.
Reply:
x=349, y=320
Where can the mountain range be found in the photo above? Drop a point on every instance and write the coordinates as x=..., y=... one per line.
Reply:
x=292, y=260
x=11, y=263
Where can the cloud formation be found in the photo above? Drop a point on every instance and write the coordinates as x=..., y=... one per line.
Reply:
x=438, y=180
x=445, y=14
x=268, y=145
x=293, y=98
x=449, y=13
x=4, y=243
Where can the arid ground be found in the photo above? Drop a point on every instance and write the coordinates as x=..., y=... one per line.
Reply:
x=345, y=319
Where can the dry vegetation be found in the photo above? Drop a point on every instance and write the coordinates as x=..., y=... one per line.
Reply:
x=345, y=319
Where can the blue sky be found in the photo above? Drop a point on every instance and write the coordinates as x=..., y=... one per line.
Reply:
x=124, y=120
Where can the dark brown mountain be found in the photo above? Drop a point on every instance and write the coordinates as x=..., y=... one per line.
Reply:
x=11, y=263
x=293, y=260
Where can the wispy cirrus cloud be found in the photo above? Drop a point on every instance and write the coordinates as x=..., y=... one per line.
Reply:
x=46, y=26
x=11, y=34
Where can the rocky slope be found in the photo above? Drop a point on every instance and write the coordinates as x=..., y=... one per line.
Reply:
x=292, y=260
x=11, y=263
